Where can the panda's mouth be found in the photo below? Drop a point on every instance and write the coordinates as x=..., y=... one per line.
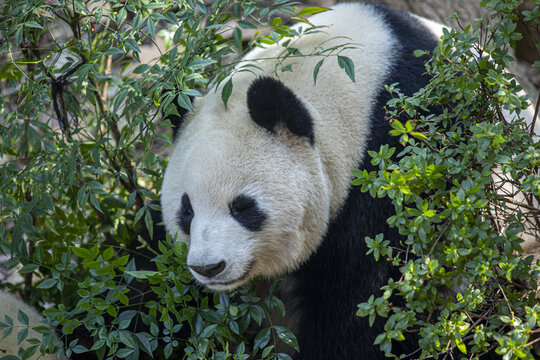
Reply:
x=227, y=284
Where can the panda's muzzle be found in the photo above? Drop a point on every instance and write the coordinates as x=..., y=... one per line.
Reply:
x=209, y=271
x=237, y=280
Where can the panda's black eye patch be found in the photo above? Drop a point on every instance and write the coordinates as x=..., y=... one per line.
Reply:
x=245, y=210
x=185, y=214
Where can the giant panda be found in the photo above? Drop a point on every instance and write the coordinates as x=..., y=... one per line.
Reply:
x=262, y=187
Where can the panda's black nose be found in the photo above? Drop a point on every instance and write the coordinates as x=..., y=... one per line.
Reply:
x=210, y=270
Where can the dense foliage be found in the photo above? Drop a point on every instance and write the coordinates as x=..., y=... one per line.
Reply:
x=468, y=159
x=83, y=148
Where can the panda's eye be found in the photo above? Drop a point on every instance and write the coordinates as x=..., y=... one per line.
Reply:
x=242, y=203
x=246, y=211
x=185, y=215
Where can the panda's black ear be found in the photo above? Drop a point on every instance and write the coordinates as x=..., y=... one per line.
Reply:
x=270, y=101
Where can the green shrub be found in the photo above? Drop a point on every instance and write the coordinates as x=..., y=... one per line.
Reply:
x=449, y=185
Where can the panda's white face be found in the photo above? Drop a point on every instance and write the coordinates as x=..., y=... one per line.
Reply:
x=247, y=201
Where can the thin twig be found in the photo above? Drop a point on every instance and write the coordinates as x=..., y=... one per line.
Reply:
x=473, y=315
x=439, y=237
x=530, y=343
x=533, y=124
x=526, y=206
x=506, y=299
x=429, y=146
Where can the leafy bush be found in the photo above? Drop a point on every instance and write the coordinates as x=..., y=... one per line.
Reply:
x=468, y=159
x=82, y=145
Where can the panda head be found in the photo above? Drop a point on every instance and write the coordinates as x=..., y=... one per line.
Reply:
x=245, y=186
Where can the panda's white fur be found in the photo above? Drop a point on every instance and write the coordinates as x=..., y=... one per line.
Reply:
x=10, y=306
x=301, y=187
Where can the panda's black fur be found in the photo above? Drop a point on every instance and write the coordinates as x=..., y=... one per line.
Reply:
x=338, y=275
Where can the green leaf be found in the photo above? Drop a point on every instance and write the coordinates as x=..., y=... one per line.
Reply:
x=98, y=344
x=283, y=356
x=108, y=253
x=28, y=268
x=208, y=331
x=33, y=24
x=22, y=317
x=124, y=353
x=21, y=335
x=233, y=325
x=237, y=38
x=178, y=34
x=122, y=14
x=148, y=223
x=310, y=10
x=184, y=101
x=9, y=357
x=267, y=351
x=34, y=138
x=257, y=313
x=114, y=51
x=191, y=92
x=201, y=63
x=226, y=92
x=132, y=45
x=276, y=21
x=47, y=284
x=348, y=65
x=97, y=187
x=18, y=36
x=141, y=274
x=461, y=346
x=79, y=349
x=141, y=68
x=419, y=135
x=287, y=336
x=30, y=351
x=464, y=252
x=119, y=98
x=81, y=252
x=262, y=338
x=168, y=351
x=146, y=346
x=316, y=71
x=171, y=18
x=154, y=330
x=6, y=333
x=151, y=30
